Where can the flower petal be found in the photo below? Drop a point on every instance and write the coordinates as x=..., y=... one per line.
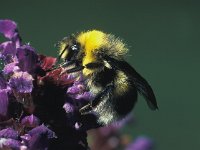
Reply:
x=8, y=28
x=10, y=68
x=9, y=144
x=75, y=89
x=7, y=49
x=42, y=130
x=38, y=142
x=3, y=102
x=9, y=133
x=27, y=58
x=84, y=96
x=68, y=107
x=3, y=83
x=30, y=121
x=22, y=82
x=47, y=62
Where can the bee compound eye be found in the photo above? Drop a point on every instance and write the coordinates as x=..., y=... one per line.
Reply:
x=74, y=47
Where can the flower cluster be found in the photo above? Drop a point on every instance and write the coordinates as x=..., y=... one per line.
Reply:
x=38, y=102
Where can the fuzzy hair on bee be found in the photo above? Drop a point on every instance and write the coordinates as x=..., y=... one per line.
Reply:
x=114, y=83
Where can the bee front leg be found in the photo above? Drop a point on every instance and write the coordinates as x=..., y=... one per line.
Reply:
x=75, y=69
x=80, y=67
x=63, y=65
x=94, y=65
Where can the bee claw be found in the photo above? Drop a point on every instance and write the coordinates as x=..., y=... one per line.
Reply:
x=86, y=109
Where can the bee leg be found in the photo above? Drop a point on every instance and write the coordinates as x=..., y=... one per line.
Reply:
x=75, y=69
x=88, y=121
x=108, y=89
x=64, y=64
x=94, y=65
x=68, y=63
x=79, y=67
x=87, y=109
x=115, y=64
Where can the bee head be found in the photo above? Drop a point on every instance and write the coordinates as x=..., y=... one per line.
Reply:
x=69, y=48
x=89, y=48
x=91, y=43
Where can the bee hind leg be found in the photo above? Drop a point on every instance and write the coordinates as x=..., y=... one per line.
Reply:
x=88, y=108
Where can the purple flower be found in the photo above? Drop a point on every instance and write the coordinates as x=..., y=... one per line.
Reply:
x=77, y=125
x=31, y=121
x=3, y=102
x=84, y=96
x=35, y=84
x=27, y=58
x=42, y=130
x=21, y=82
x=9, y=139
x=8, y=28
x=78, y=92
x=4, y=89
x=7, y=51
x=68, y=107
x=121, y=123
x=3, y=82
x=141, y=143
x=22, y=65
x=40, y=137
x=39, y=142
x=25, y=137
x=76, y=88
x=10, y=68
x=9, y=133
x=36, y=138
x=9, y=144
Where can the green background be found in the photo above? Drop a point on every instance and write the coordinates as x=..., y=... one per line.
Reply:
x=164, y=41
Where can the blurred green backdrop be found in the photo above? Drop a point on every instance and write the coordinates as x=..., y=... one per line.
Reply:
x=163, y=37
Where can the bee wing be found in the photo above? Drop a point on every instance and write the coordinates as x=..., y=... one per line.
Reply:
x=144, y=89
x=139, y=82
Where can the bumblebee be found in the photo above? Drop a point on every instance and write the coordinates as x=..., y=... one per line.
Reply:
x=114, y=83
